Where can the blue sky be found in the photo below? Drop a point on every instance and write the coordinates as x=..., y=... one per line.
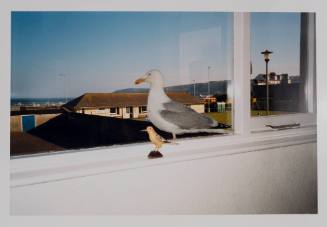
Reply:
x=280, y=33
x=106, y=51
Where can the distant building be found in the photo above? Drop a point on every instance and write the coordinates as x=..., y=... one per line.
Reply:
x=208, y=99
x=260, y=79
x=295, y=79
x=125, y=105
x=285, y=79
x=275, y=79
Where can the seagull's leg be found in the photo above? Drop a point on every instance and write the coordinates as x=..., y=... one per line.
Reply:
x=174, y=139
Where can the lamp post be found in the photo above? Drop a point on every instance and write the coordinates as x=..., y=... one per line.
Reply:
x=266, y=56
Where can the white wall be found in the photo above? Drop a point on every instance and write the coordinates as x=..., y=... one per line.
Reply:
x=279, y=180
x=135, y=111
x=101, y=112
x=198, y=108
x=124, y=112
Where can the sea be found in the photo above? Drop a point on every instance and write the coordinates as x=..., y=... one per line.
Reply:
x=39, y=101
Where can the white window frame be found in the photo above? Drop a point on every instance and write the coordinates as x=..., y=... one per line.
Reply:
x=44, y=167
x=241, y=79
x=243, y=122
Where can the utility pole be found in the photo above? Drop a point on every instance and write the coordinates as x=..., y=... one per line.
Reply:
x=193, y=87
x=209, y=80
x=209, y=100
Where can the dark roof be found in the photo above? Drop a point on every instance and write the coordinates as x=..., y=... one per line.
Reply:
x=104, y=100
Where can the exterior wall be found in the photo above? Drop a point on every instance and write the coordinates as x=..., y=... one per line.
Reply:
x=125, y=114
x=136, y=111
x=136, y=114
x=198, y=108
x=42, y=118
x=143, y=115
x=278, y=180
x=89, y=111
x=105, y=112
x=16, y=123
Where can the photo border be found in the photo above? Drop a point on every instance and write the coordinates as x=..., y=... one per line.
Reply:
x=167, y=5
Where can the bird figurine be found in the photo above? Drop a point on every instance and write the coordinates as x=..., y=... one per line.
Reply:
x=157, y=140
x=170, y=116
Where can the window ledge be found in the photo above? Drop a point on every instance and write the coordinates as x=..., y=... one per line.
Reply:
x=305, y=119
x=56, y=166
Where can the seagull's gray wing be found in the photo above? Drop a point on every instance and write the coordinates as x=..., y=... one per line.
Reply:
x=184, y=117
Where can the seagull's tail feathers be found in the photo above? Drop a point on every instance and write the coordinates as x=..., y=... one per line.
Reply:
x=164, y=140
x=217, y=128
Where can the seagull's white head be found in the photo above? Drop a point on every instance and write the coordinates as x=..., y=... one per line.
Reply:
x=153, y=77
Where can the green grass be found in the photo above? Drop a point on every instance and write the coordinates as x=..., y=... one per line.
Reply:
x=259, y=113
x=225, y=117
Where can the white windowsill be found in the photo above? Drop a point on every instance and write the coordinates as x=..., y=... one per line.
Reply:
x=43, y=168
x=305, y=119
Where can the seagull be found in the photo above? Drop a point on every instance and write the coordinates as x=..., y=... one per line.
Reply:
x=171, y=116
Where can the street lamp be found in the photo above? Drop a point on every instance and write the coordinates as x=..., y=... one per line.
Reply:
x=266, y=56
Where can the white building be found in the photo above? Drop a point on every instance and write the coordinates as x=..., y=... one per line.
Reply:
x=125, y=105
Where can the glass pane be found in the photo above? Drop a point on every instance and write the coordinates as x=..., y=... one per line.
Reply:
x=73, y=70
x=275, y=57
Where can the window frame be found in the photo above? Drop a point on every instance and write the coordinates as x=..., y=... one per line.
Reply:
x=141, y=111
x=243, y=122
x=127, y=109
x=114, y=112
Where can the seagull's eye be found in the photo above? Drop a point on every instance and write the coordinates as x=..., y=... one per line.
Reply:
x=149, y=74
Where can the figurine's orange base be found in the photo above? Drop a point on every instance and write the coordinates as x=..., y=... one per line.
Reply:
x=154, y=154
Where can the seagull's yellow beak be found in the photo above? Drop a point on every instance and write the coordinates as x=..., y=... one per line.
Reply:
x=139, y=81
